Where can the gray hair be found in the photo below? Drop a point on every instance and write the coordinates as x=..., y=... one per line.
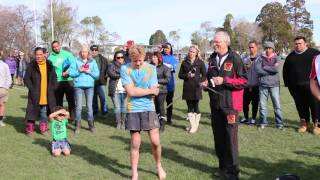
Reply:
x=224, y=35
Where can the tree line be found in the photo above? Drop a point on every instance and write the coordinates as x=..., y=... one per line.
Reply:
x=275, y=22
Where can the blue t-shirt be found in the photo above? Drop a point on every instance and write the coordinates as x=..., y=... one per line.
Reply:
x=145, y=77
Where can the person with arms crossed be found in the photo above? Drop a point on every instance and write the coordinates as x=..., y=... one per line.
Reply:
x=140, y=82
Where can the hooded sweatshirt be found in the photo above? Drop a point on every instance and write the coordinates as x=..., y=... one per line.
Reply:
x=268, y=71
x=171, y=62
x=61, y=61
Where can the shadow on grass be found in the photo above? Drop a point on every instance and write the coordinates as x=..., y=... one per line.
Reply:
x=170, y=154
x=17, y=122
x=266, y=170
x=308, y=153
x=195, y=147
x=93, y=158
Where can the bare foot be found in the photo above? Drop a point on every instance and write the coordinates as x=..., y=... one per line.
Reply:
x=134, y=177
x=161, y=173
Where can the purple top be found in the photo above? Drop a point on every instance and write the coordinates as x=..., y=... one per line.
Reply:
x=12, y=63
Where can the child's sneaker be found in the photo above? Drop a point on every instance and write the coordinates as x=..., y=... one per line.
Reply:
x=29, y=128
x=253, y=121
x=43, y=128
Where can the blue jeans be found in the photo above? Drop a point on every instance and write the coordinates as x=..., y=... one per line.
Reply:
x=100, y=91
x=88, y=92
x=274, y=93
x=43, y=114
x=120, y=105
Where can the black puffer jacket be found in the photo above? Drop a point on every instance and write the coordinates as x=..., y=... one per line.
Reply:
x=191, y=87
x=103, y=67
x=32, y=80
x=163, y=75
x=114, y=75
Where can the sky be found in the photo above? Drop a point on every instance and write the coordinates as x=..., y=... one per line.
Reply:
x=138, y=19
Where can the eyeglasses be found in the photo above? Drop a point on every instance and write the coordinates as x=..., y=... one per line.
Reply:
x=120, y=57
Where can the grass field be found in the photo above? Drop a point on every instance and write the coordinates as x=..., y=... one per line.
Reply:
x=264, y=154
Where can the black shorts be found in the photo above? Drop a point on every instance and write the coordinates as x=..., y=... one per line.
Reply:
x=142, y=121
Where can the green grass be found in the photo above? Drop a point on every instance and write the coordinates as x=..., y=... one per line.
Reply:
x=105, y=155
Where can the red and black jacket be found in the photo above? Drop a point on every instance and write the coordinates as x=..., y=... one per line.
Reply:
x=230, y=94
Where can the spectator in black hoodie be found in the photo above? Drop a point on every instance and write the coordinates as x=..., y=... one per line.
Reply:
x=296, y=71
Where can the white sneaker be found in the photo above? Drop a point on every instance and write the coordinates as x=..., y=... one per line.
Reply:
x=244, y=120
x=2, y=124
x=253, y=121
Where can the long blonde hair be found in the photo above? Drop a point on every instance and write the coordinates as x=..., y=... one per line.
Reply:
x=198, y=51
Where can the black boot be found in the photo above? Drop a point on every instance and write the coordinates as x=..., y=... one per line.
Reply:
x=162, y=124
x=91, y=126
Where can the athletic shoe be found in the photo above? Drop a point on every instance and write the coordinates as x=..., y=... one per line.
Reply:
x=244, y=121
x=253, y=121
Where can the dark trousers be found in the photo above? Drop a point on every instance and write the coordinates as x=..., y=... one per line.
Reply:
x=193, y=106
x=226, y=142
x=305, y=102
x=159, y=104
x=251, y=95
x=169, y=99
x=66, y=88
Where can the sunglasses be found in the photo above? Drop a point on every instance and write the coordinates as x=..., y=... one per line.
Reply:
x=94, y=50
x=120, y=57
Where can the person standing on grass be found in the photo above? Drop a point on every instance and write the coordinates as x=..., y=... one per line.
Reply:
x=267, y=67
x=163, y=75
x=192, y=72
x=140, y=82
x=116, y=90
x=12, y=63
x=85, y=72
x=100, y=84
x=41, y=81
x=21, y=69
x=61, y=60
x=296, y=72
x=171, y=62
x=314, y=86
x=5, y=83
x=59, y=120
x=226, y=75
x=251, y=93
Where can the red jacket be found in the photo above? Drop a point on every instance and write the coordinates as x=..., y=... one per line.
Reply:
x=230, y=97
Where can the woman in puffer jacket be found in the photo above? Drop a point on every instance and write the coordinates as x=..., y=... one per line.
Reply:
x=116, y=90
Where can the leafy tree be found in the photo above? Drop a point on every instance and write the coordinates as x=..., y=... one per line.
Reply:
x=273, y=22
x=299, y=18
x=175, y=37
x=244, y=32
x=64, y=22
x=91, y=28
x=157, y=38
